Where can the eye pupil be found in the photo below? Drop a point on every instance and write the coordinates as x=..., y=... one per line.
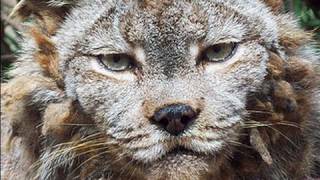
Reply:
x=116, y=58
x=116, y=62
x=216, y=49
x=219, y=52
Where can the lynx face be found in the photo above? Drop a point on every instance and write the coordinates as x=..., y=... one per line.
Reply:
x=146, y=89
x=167, y=82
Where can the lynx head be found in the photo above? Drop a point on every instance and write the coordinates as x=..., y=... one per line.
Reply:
x=166, y=81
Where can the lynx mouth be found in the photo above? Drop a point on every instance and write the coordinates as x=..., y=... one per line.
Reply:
x=180, y=155
x=181, y=150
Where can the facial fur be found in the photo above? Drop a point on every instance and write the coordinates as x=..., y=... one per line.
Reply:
x=111, y=131
x=169, y=74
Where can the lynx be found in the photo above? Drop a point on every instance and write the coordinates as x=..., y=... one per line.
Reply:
x=160, y=89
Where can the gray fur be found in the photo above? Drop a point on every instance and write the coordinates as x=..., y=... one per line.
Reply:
x=115, y=101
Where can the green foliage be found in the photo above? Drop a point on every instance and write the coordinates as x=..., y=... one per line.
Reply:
x=308, y=13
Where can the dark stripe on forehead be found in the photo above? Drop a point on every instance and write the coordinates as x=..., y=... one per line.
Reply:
x=154, y=6
x=165, y=34
x=165, y=29
x=162, y=22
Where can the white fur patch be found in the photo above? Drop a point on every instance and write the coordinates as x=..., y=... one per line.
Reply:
x=140, y=55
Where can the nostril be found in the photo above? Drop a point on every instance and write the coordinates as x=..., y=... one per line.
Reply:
x=164, y=121
x=175, y=118
x=188, y=116
x=185, y=119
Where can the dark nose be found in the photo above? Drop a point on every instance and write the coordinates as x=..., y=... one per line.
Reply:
x=175, y=118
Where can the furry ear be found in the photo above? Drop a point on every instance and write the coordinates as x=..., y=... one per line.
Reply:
x=47, y=13
x=276, y=5
x=46, y=17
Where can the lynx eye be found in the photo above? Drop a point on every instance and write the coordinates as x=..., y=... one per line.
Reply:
x=116, y=62
x=219, y=52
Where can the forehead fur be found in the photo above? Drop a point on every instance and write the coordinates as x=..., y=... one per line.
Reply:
x=138, y=19
x=153, y=4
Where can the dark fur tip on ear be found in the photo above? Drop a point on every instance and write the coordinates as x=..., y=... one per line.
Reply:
x=26, y=7
x=21, y=10
x=275, y=5
x=47, y=13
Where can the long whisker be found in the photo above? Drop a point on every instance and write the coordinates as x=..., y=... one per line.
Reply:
x=73, y=146
x=253, y=123
x=125, y=166
x=259, y=124
x=91, y=158
x=74, y=124
x=80, y=140
x=259, y=112
x=79, y=154
x=239, y=144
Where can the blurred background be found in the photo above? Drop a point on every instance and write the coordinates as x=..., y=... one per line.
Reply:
x=307, y=11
